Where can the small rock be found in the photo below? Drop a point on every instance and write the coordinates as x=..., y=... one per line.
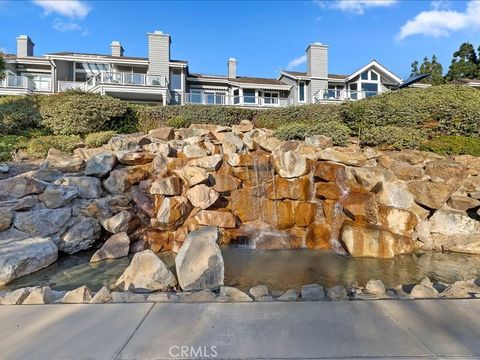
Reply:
x=64, y=162
x=194, y=151
x=102, y=296
x=164, y=133
x=16, y=297
x=319, y=141
x=88, y=187
x=289, y=164
x=58, y=196
x=289, y=295
x=4, y=169
x=80, y=295
x=209, y=163
x=134, y=158
x=202, y=296
x=312, y=292
x=462, y=289
x=337, y=293
x=258, y=291
x=222, y=219
x=80, y=236
x=375, y=287
x=234, y=294
x=115, y=247
x=423, y=292
x=127, y=297
x=146, y=273
x=39, y=295
x=5, y=218
x=18, y=187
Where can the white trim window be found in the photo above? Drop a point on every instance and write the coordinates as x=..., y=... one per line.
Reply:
x=271, y=97
x=302, y=88
x=370, y=83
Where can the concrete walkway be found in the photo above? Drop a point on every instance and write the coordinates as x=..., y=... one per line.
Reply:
x=361, y=329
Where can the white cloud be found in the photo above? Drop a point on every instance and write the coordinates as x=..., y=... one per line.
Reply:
x=62, y=26
x=296, y=62
x=357, y=7
x=440, y=4
x=74, y=9
x=438, y=23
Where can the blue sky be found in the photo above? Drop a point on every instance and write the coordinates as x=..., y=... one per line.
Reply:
x=264, y=36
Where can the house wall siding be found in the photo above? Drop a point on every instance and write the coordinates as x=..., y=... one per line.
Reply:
x=159, y=54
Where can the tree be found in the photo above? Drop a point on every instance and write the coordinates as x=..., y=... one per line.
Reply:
x=464, y=63
x=414, y=71
x=2, y=67
x=436, y=71
x=426, y=68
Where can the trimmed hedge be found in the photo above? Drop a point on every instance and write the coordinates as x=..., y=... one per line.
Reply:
x=443, y=109
x=18, y=113
x=392, y=137
x=453, y=145
x=76, y=112
x=98, y=139
x=339, y=132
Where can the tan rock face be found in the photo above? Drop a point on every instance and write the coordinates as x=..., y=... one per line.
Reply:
x=329, y=191
x=318, y=236
x=245, y=205
x=461, y=202
x=330, y=171
x=135, y=158
x=294, y=189
x=194, y=175
x=225, y=183
x=164, y=133
x=115, y=247
x=222, y=219
x=374, y=241
x=172, y=212
x=361, y=207
x=351, y=158
x=278, y=213
x=169, y=186
x=398, y=221
x=432, y=195
x=64, y=162
x=289, y=164
x=159, y=240
x=202, y=196
x=445, y=169
x=304, y=212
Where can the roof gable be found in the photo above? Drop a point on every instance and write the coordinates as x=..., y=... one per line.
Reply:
x=379, y=67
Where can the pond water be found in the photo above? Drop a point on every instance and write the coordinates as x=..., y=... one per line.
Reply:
x=278, y=269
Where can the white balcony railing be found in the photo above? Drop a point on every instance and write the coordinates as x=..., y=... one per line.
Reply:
x=120, y=78
x=218, y=99
x=21, y=82
x=341, y=95
x=71, y=85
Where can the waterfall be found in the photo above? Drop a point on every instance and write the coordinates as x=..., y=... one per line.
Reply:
x=337, y=221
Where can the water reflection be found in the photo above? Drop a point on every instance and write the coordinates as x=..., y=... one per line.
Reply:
x=280, y=269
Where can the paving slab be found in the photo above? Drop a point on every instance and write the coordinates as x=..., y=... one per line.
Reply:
x=449, y=328
x=273, y=331
x=67, y=331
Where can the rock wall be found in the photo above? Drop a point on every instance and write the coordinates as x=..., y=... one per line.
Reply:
x=259, y=191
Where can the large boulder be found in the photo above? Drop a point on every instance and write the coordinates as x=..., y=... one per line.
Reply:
x=124, y=221
x=120, y=181
x=293, y=189
x=42, y=222
x=352, y=158
x=100, y=165
x=395, y=194
x=134, y=158
x=209, y=163
x=231, y=143
x=169, y=186
x=202, y=196
x=58, y=196
x=115, y=247
x=172, y=212
x=146, y=273
x=18, y=187
x=88, y=187
x=199, y=262
x=223, y=219
x=80, y=236
x=79, y=295
x=164, y=133
x=22, y=257
x=289, y=164
x=431, y=194
x=64, y=162
x=371, y=176
x=363, y=240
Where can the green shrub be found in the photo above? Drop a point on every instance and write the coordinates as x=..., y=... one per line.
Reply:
x=453, y=145
x=392, y=137
x=76, y=112
x=125, y=124
x=314, y=114
x=178, y=122
x=339, y=132
x=18, y=113
x=443, y=109
x=38, y=147
x=98, y=139
x=8, y=143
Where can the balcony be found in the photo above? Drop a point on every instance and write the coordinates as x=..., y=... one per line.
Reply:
x=326, y=95
x=126, y=79
x=15, y=84
x=235, y=100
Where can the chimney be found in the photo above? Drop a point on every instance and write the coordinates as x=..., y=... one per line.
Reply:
x=24, y=46
x=117, y=48
x=159, y=54
x=232, y=68
x=317, y=61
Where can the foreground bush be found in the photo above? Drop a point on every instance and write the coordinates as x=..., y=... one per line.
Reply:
x=453, y=145
x=445, y=110
x=75, y=112
x=151, y=117
x=18, y=113
x=392, y=137
x=314, y=114
x=299, y=131
x=38, y=147
x=9, y=143
x=98, y=139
